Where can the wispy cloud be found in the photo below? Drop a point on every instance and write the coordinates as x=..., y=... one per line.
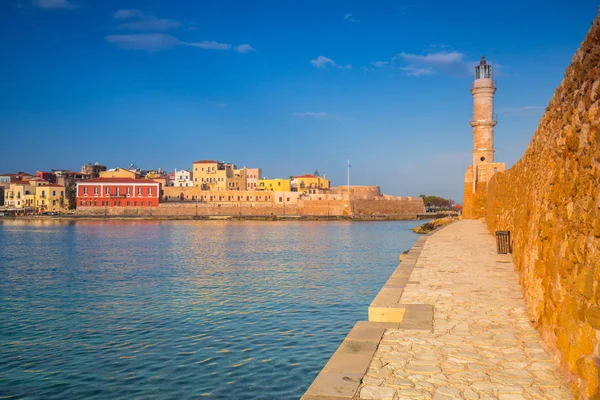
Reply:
x=348, y=17
x=324, y=62
x=380, y=64
x=54, y=4
x=413, y=70
x=309, y=114
x=150, y=42
x=153, y=42
x=452, y=62
x=525, y=111
x=244, y=48
x=139, y=21
x=208, y=45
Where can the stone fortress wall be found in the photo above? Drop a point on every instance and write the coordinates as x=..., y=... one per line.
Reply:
x=550, y=203
x=191, y=201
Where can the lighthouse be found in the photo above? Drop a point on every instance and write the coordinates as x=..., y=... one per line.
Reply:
x=483, y=120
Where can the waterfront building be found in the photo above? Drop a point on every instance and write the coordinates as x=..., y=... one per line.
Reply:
x=483, y=122
x=68, y=178
x=47, y=176
x=253, y=175
x=6, y=179
x=20, y=195
x=118, y=192
x=93, y=170
x=212, y=175
x=310, y=184
x=170, y=179
x=275, y=185
x=239, y=180
x=50, y=197
x=120, y=173
x=182, y=178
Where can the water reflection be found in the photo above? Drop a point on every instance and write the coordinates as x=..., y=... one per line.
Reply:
x=222, y=309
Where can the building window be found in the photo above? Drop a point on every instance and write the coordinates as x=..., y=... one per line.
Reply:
x=85, y=190
x=280, y=199
x=81, y=203
x=142, y=203
x=135, y=203
x=108, y=190
x=54, y=193
x=150, y=191
x=127, y=204
x=139, y=190
x=128, y=190
x=118, y=191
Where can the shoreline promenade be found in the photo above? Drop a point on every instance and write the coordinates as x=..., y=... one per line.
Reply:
x=483, y=345
x=456, y=327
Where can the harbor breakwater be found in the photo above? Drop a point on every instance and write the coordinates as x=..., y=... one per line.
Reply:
x=409, y=207
x=550, y=202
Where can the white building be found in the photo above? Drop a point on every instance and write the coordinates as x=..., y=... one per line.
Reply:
x=183, y=178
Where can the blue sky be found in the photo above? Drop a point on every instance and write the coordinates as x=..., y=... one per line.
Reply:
x=288, y=86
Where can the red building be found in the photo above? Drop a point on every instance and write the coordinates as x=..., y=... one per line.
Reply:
x=47, y=176
x=118, y=192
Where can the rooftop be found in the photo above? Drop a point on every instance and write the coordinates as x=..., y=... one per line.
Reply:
x=117, y=180
x=306, y=176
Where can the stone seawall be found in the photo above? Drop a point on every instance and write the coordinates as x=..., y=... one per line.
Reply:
x=550, y=203
x=405, y=207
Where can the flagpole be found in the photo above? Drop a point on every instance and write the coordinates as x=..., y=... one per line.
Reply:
x=348, y=175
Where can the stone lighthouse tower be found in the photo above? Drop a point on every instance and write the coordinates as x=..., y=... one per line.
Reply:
x=483, y=122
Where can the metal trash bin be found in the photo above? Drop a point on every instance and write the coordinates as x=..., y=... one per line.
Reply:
x=503, y=242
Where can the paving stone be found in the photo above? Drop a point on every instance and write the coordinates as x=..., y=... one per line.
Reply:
x=482, y=344
x=377, y=393
x=413, y=394
x=401, y=383
x=470, y=394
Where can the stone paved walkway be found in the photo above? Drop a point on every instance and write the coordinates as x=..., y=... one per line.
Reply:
x=482, y=346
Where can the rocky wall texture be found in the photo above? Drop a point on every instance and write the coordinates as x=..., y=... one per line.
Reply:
x=474, y=202
x=303, y=207
x=550, y=202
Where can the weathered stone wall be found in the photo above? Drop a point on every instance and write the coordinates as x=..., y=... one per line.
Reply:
x=550, y=202
x=410, y=205
x=346, y=207
x=474, y=202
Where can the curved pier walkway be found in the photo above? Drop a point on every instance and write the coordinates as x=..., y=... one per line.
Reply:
x=482, y=346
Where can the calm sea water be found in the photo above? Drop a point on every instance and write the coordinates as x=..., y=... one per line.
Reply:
x=180, y=310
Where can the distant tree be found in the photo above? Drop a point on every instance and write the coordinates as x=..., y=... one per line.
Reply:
x=316, y=172
x=438, y=203
x=71, y=195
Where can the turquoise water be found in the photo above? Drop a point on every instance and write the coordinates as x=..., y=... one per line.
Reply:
x=180, y=310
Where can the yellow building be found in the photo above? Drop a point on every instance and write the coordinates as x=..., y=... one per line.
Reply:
x=239, y=180
x=275, y=185
x=20, y=196
x=50, y=198
x=119, y=173
x=212, y=175
x=310, y=184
